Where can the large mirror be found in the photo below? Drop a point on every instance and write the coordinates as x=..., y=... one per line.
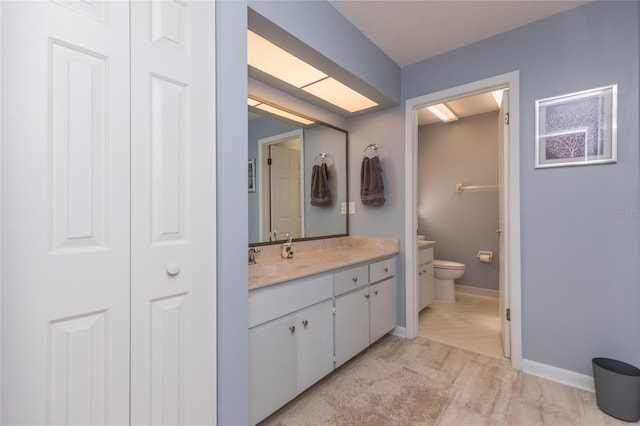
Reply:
x=297, y=176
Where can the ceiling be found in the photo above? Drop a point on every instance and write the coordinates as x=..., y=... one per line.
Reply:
x=409, y=31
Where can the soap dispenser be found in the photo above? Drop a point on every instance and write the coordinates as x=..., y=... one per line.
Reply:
x=287, y=248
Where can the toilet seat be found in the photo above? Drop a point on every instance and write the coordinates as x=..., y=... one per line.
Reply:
x=447, y=264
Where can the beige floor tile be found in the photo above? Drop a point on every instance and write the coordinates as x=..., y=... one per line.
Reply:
x=471, y=323
x=525, y=413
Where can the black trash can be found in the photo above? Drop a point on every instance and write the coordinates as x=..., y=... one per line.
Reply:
x=617, y=388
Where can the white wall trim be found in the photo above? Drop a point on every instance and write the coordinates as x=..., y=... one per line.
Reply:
x=477, y=291
x=399, y=331
x=511, y=203
x=559, y=375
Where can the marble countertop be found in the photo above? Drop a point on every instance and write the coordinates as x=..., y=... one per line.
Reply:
x=306, y=261
x=422, y=244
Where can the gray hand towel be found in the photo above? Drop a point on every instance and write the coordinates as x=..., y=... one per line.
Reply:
x=320, y=195
x=371, y=186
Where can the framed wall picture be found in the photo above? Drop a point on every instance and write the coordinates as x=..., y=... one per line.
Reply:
x=577, y=129
x=252, y=175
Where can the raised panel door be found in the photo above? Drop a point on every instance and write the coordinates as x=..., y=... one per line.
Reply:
x=65, y=212
x=173, y=233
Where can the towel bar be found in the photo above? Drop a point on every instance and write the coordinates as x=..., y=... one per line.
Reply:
x=460, y=187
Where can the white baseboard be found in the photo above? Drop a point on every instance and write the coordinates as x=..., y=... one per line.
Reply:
x=399, y=331
x=560, y=375
x=477, y=291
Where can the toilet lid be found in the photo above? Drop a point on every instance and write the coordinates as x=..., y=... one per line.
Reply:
x=447, y=264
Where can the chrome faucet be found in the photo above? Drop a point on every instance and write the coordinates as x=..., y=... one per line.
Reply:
x=252, y=255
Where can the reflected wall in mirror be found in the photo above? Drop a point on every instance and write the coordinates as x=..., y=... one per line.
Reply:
x=288, y=154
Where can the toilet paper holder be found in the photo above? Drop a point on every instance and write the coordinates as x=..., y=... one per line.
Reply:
x=485, y=256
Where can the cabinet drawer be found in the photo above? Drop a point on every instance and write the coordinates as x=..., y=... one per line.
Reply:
x=274, y=301
x=425, y=255
x=381, y=270
x=350, y=279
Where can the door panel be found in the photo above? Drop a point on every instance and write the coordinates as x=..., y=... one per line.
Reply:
x=505, y=326
x=173, y=192
x=65, y=221
x=286, y=213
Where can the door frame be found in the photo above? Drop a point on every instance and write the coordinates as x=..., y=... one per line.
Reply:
x=510, y=199
x=263, y=154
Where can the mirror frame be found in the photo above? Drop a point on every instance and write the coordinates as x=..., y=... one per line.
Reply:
x=302, y=126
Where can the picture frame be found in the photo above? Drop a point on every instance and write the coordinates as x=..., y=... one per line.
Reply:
x=577, y=129
x=252, y=175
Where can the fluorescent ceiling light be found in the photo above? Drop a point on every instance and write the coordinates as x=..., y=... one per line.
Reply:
x=442, y=112
x=332, y=91
x=279, y=112
x=497, y=96
x=275, y=61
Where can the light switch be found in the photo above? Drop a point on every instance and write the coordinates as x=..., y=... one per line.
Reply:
x=352, y=208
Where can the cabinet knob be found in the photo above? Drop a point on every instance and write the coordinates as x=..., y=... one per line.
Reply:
x=355, y=279
x=375, y=292
x=424, y=270
x=386, y=269
x=419, y=273
x=366, y=295
x=292, y=329
x=173, y=268
x=305, y=323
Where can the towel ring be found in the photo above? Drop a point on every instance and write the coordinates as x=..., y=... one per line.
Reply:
x=323, y=155
x=374, y=147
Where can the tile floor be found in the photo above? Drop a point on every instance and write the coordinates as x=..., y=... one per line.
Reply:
x=432, y=380
x=471, y=323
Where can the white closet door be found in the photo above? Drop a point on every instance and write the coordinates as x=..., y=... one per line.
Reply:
x=173, y=292
x=65, y=212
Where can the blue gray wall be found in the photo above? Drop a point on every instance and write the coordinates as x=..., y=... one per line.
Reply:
x=233, y=298
x=463, y=151
x=580, y=287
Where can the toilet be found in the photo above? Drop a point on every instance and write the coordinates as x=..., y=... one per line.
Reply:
x=445, y=273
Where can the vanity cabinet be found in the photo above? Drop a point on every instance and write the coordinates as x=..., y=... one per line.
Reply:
x=301, y=329
x=425, y=279
x=364, y=315
x=288, y=351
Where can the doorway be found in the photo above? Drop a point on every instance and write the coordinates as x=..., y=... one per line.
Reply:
x=509, y=203
x=281, y=183
x=458, y=207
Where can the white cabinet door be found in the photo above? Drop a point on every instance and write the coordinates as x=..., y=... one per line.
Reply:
x=314, y=328
x=173, y=233
x=383, y=308
x=351, y=324
x=272, y=367
x=428, y=289
x=65, y=212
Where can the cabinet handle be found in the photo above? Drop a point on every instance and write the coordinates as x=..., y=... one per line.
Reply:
x=292, y=329
x=355, y=279
x=305, y=323
x=386, y=269
x=419, y=273
x=375, y=292
x=366, y=295
x=424, y=270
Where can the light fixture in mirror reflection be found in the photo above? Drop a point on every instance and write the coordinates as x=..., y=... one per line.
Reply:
x=301, y=177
